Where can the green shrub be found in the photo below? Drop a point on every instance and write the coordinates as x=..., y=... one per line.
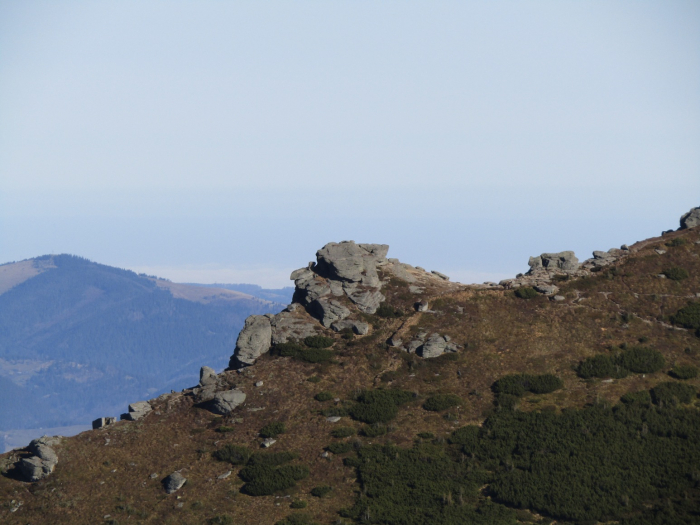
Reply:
x=375, y=430
x=234, y=454
x=641, y=360
x=342, y=447
x=672, y=393
x=272, y=430
x=289, y=349
x=323, y=396
x=321, y=491
x=526, y=292
x=298, y=504
x=518, y=384
x=379, y=406
x=544, y=384
x=506, y=402
x=314, y=379
x=467, y=436
x=426, y=435
x=388, y=311
x=678, y=241
x=318, y=341
x=271, y=459
x=675, y=273
x=688, y=317
x=343, y=432
x=297, y=519
x=223, y=519
x=223, y=429
x=315, y=355
x=684, y=372
x=264, y=480
x=642, y=397
x=440, y=402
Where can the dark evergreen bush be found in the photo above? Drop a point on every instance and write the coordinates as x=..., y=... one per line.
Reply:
x=688, y=317
x=321, y=491
x=526, y=292
x=272, y=430
x=440, y=402
x=264, y=480
x=387, y=311
x=298, y=504
x=641, y=360
x=375, y=430
x=601, y=365
x=678, y=241
x=297, y=519
x=234, y=454
x=672, y=393
x=342, y=447
x=518, y=384
x=426, y=435
x=642, y=398
x=323, y=396
x=544, y=384
x=318, y=341
x=467, y=436
x=684, y=372
x=676, y=274
x=272, y=459
x=379, y=406
x=343, y=432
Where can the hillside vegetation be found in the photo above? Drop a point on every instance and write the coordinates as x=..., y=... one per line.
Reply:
x=579, y=410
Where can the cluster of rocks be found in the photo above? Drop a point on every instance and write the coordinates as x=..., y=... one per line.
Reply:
x=426, y=346
x=209, y=391
x=43, y=459
x=329, y=294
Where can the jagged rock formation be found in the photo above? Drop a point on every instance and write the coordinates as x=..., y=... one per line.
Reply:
x=690, y=219
x=43, y=460
x=102, y=422
x=330, y=293
x=137, y=411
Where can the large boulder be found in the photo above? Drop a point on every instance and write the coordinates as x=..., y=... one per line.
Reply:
x=358, y=327
x=174, y=482
x=691, y=219
x=367, y=301
x=41, y=463
x=225, y=402
x=253, y=341
x=566, y=261
x=287, y=325
x=347, y=261
x=328, y=311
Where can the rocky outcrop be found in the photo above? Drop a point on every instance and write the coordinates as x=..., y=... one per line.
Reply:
x=690, y=219
x=253, y=341
x=566, y=261
x=137, y=411
x=225, y=402
x=291, y=325
x=347, y=261
x=209, y=384
x=43, y=460
x=102, y=422
x=357, y=327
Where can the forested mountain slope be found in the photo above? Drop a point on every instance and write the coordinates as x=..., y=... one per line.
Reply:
x=79, y=340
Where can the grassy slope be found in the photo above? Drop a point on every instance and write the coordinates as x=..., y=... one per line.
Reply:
x=504, y=335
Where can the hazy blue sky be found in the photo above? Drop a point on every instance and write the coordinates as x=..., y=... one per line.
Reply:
x=228, y=141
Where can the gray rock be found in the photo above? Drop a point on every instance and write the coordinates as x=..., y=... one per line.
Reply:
x=400, y=270
x=395, y=342
x=207, y=376
x=690, y=219
x=421, y=306
x=254, y=340
x=413, y=346
x=347, y=261
x=259, y=383
x=137, y=411
x=44, y=452
x=415, y=289
x=435, y=346
x=268, y=442
x=174, y=482
x=333, y=419
x=659, y=251
x=546, y=289
x=206, y=393
x=566, y=261
x=286, y=326
x=440, y=275
x=49, y=441
x=224, y=475
x=559, y=298
x=225, y=402
x=367, y=301
x=313, y=290
x=102, y=422
x=358, y=327
x=328, y=311
x=34, y=468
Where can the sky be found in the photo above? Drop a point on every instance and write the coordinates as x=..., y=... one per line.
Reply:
x=211, y=141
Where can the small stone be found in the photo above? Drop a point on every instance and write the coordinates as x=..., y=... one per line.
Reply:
x=259, y=383
x=625, y=247
x=421, y=306
x=661, y=276
x=325, y=454
x=440, y=275
x=395, y=342
x=154, y=475
x=267, y=443
x=559, y=298
x=333, y=419
x=659, y=251
x=224, y=475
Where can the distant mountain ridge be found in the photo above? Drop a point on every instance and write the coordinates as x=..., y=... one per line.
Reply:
x=79, y=339
x=279, y=295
